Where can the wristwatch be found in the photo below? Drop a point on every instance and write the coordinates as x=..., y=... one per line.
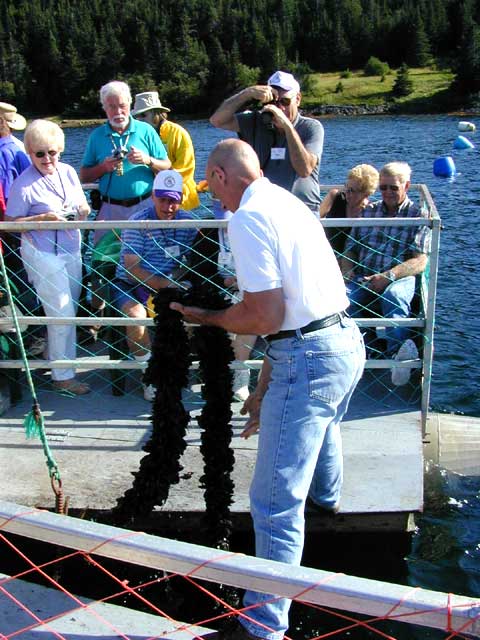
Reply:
x=391, y=275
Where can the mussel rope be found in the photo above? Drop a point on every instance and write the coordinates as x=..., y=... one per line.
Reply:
x=168, y=371
x=34, y=422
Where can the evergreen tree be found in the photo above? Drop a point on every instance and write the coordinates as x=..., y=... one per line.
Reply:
x=403, y=84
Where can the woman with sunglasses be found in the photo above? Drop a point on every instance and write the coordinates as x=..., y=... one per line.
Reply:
x=50, y=191
x=349, y=202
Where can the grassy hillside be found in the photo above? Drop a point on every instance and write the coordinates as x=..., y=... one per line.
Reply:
x=430, y=90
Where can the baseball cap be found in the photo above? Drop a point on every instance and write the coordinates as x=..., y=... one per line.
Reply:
x=168, y=184
x=284, y=81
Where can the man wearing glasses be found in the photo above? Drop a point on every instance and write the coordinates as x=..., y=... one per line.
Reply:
x=380, y=264
x=288, y=145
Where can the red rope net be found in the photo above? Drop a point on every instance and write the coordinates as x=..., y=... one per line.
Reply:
x=62, y=592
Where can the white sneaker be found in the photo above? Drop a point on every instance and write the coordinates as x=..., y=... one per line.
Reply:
x=407, y=351
x=149, y=392
x=241, y=380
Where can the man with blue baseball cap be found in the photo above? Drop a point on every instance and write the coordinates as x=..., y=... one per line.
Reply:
x=151, y=259
x=288, y=145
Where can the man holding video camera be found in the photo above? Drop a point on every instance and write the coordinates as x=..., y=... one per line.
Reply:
x=124, y=155
x=289, y=146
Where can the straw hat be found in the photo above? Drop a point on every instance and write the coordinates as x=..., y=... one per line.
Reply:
x=15, y=120
x=146, y=101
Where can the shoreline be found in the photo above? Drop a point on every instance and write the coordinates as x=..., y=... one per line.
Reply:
x=326, y=111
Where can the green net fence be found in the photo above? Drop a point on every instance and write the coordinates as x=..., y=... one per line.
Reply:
x=112, y=336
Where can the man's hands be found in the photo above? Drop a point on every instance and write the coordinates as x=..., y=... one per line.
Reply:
x=261, y=92
x=135, y=156
x=280, y=120
x=193, y=315
x=377, y=283
x=251, y=406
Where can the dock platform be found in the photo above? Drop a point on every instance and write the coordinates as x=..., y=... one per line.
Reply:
x=97, y=443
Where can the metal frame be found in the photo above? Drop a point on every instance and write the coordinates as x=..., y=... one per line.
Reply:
x=377, y=599
x=428, y=288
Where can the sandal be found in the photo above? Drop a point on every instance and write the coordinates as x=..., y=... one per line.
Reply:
x=72, y=386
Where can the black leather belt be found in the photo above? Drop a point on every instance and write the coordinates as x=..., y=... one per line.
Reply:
x=315, y=325
x=129, y=202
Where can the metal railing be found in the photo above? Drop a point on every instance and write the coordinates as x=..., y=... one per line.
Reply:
x=424, y=323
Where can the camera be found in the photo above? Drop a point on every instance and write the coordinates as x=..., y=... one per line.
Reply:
x=119, y=153
x=267, y=119
x=70, y=215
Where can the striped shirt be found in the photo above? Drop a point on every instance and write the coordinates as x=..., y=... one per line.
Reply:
x=378, y=249
x=160, y=250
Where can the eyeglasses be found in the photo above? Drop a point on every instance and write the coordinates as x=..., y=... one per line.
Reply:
x=41, y=154
x=392, y=187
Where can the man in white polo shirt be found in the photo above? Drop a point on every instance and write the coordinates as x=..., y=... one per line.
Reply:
x=293, y=295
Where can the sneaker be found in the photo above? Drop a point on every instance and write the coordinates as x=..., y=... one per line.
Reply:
x=72, y=386
x=407, y=351
x=241, y=380
x=149, y=392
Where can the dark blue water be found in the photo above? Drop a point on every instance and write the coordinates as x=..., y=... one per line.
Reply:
x=445, y=552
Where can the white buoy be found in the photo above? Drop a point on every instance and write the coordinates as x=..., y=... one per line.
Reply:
x=466, y=126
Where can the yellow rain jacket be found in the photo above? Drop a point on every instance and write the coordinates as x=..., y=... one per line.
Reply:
x=179, y=146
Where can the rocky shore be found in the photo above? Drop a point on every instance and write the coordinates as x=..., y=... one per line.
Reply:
x=351, y=110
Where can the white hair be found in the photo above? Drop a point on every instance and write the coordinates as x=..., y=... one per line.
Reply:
x=115, y=88
x=400, y=170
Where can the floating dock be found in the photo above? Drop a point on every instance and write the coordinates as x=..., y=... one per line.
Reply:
x=97, y=443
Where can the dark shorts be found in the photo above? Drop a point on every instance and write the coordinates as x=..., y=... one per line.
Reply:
x=124, y=292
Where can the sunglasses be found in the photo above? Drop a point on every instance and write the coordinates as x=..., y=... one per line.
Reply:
x=392, y=187
x=352, y=190
x=41, y=154
x=283, y=102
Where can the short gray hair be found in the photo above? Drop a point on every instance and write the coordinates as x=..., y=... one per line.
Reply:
x=400, y=170
x=115, y=88
x=43, y=133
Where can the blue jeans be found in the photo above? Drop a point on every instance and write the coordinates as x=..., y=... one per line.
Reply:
x=299, y=449
x=394, y=302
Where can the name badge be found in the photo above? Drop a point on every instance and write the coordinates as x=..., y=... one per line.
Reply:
x=173, y=250
x=225, y=258
x=277, y=153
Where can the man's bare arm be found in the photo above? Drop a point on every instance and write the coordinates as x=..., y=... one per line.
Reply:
x=141, y=275
x=411, y=267
x=258, y=313
x=224, y=116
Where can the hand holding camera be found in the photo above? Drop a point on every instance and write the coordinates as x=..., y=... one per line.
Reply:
x=119, y=154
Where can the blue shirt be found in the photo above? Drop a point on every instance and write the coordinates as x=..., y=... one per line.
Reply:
x=13, y=161
x=160, y=250
x=137, y=179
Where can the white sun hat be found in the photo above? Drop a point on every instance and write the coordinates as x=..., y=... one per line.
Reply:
x=146, y=101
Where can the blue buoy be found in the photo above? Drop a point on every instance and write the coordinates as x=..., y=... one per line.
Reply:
x=444, y=167
x=461, y=142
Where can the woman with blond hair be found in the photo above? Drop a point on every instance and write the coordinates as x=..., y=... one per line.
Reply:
x=348, y=202
x=50, y=190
